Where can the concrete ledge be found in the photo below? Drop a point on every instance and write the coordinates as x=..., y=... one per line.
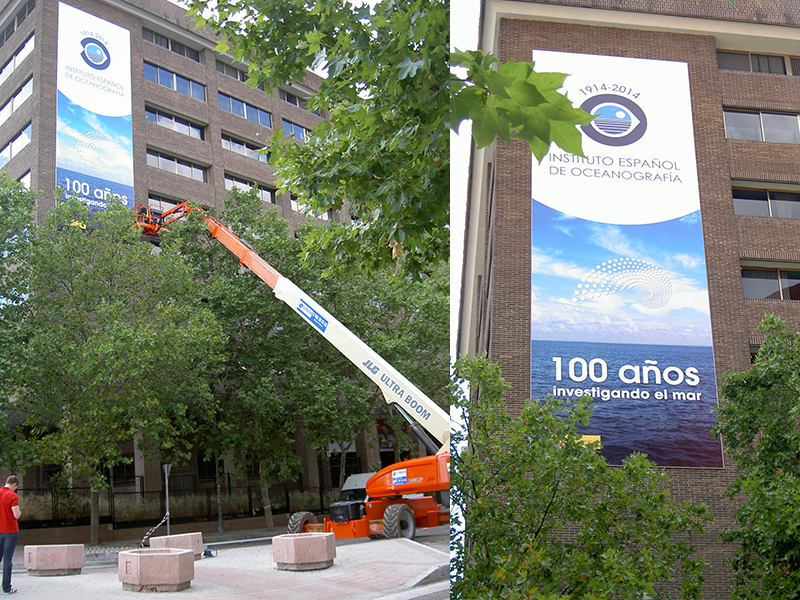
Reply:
x=304, y=551
x=156, y=569
x=183, y=541
x=54, y=560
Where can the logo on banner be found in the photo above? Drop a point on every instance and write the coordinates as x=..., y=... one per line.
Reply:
x=95, y=54
x=619, y=121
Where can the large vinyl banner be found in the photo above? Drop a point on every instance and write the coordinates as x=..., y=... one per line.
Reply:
x=94, y=146
x=619, y=308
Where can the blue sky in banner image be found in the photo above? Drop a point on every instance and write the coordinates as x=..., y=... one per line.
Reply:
x=634, y=284
x=94, y=144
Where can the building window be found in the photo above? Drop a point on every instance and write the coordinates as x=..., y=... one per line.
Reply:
x=756, y=63
x=766, y=203
x=244, y=148
x=175, y=82
x=22, y=139
x=16, y=100
x=170, y=44
x=182, y=167
x=159, y=205
x=124, y=473
x=293, y=129
x=244, y=110
x=297, y=207
x=266, y=194
x=16, y=21
x=761, y=126
x=16, y=60
x=26, y=180
x=775, y=284
x=163, y=119
x=235, y=73
x=293, y=99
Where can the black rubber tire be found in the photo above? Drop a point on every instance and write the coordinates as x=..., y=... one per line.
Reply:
x=299, y=520
x=398, y=522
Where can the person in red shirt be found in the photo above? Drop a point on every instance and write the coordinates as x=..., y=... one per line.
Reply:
x=9, y=528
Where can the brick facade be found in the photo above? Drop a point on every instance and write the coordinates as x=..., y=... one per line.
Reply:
x=498, y=299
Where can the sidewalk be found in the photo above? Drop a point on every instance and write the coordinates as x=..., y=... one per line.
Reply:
x=243, y=569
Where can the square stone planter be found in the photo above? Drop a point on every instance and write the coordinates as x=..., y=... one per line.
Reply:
x=53, y=560
x=304, y=551
x=183, y=541
x=156, y=569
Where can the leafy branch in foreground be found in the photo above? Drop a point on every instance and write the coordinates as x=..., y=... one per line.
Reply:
x=542, y=515
x=513, y=102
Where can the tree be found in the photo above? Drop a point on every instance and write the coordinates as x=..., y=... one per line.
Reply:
x=758, y=420
x=384, y=147
x=116, y=344
x=546, y=517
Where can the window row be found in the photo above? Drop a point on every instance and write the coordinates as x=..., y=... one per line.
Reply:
x=297, y=207
x=182, y=167
x=266, y=194
x=16, y=60
x=293, y=129
x=242, y=109
x=16, y=21
x=244, y=148
x=174, y=82
x=762, y=127
x=758, y=63
x=776, y=284
x=22, y=139
x=169, y=121
x=232, y=71
x=293, y=99
x=766, y=203
x=170, y=44
x=16, y=100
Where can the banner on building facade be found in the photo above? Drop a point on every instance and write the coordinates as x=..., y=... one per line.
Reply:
x=94, y=145
x=619, y=302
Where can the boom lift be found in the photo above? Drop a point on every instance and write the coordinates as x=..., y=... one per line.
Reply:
x=397, y=501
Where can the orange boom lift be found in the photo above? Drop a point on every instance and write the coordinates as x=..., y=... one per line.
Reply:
x=400, y=497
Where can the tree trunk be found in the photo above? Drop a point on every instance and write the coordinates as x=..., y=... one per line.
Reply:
x=94, y=529
x=342, y=455
x=265, y=501
x=220, y=525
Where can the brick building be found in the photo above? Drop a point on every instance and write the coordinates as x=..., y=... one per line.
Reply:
x=193, y=128
x=743, y=67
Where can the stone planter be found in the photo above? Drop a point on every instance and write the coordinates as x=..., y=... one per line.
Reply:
x=56, y=559
x=156, y=569
x=304, y=551
x=183, y=541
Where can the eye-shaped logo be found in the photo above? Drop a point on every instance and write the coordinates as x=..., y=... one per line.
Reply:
x=95, y=54
x=619, y=121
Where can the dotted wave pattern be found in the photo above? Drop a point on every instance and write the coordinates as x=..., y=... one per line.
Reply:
x=93, y=140
x=620, y=274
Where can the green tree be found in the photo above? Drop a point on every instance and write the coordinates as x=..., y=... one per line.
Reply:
x=758, y=420
x=384, y=147
x=17, y=207
x=116, y=344
x=547, y=518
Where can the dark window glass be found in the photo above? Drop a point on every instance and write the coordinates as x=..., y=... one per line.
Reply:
x=231, y=71
x=733, y=61
x=264, y=118
x=750, y=202
x=151, y=72
x=287, y=128
x=220, y=66
x=781, y=128
x=790, y=285
x=160, y=40
x=252, y=113
x=766, y=63
x=9, y=31
x=785, y=205
x=760, y=284
x=224, y=102
x=147, y=35
x=166, y=78
x=198, y=91
x=742, y=126
x=237, y=107
x=178, y=48
x=183, y=85
x=795, y=65
x=193, y=54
